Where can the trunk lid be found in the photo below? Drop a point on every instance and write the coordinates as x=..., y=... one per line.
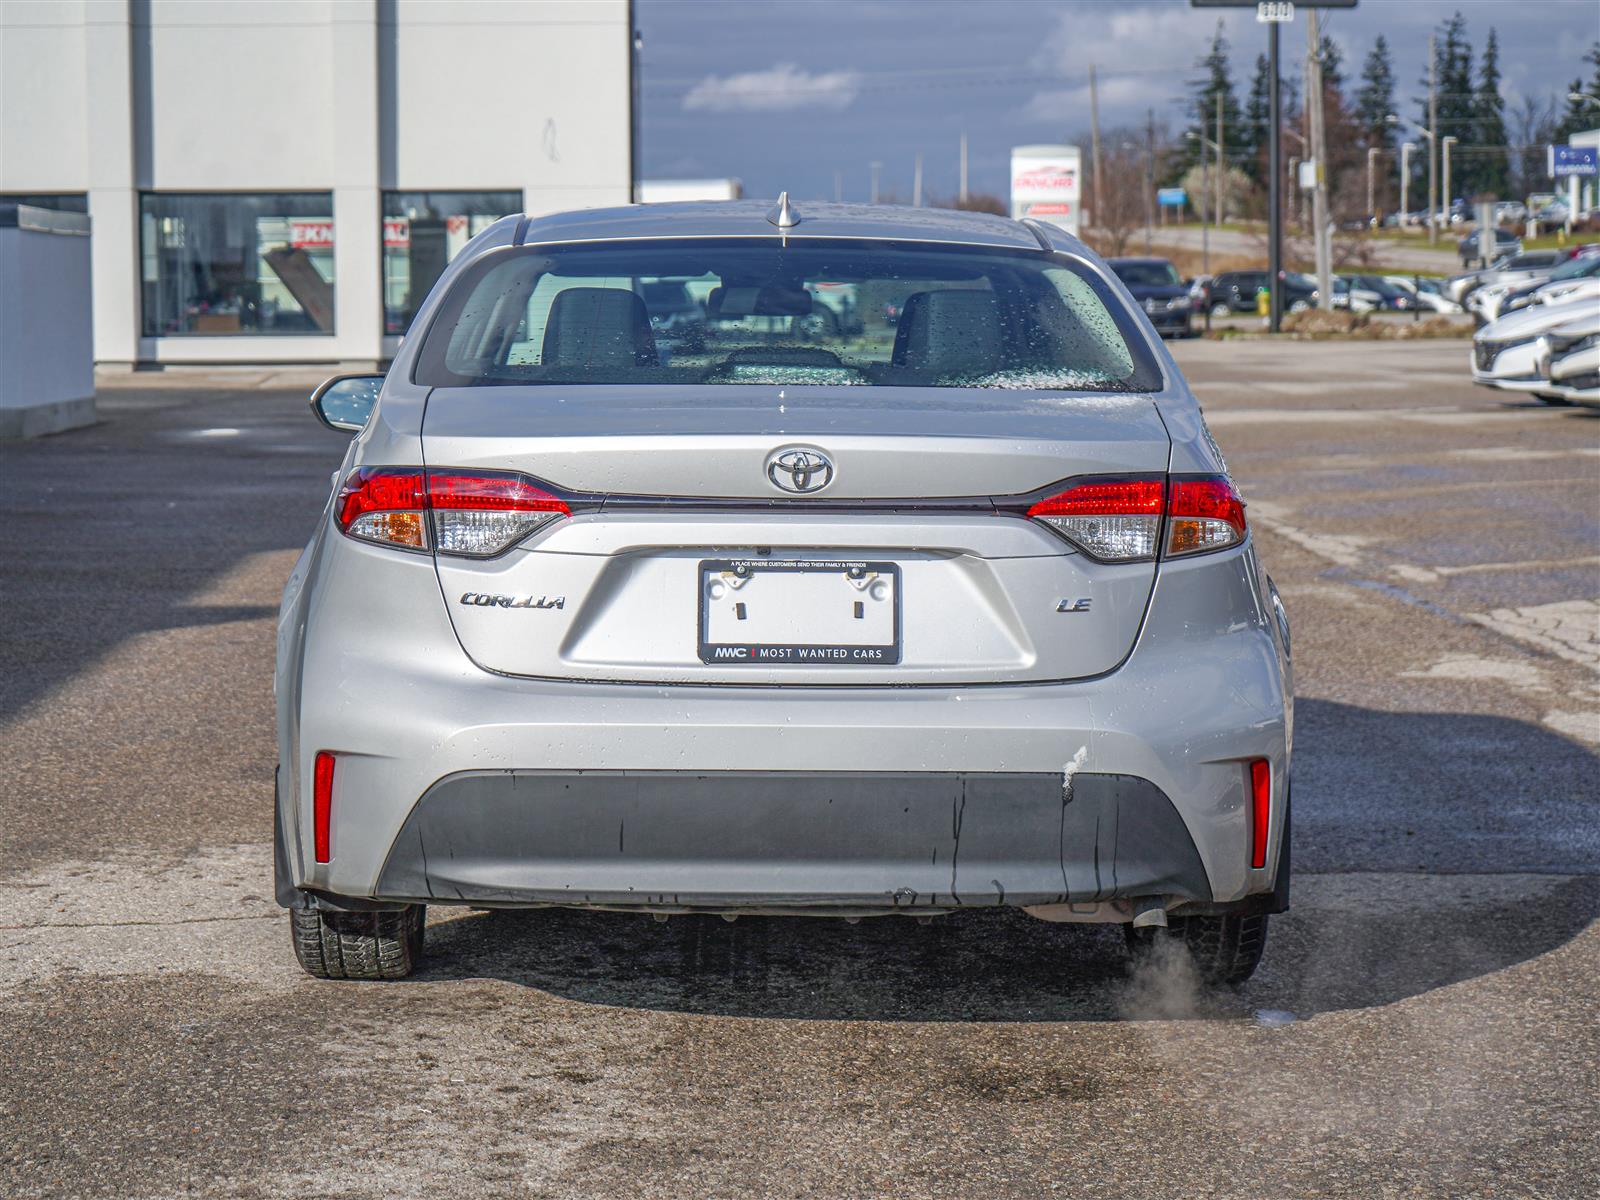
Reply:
x=906, y=537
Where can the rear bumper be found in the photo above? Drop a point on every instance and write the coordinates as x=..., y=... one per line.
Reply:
x=680, y=840
x=533, y=791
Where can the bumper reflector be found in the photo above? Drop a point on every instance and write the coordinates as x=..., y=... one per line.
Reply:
x=322, y=803
x=1260, y=810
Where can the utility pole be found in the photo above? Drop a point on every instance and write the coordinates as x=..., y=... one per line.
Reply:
x=1205, y=214
x=1433, y=141
x=963, y=170
x=1319, y=154
x=876, y=167
x=916, y=183
x=1222, y=166
x=1449, y=205
x=1406, y=150
x=1274, y=186
x=1149, y=175
x=1372, y=193
x=1094, y=141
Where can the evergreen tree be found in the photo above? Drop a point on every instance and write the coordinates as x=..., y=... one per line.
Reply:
x=1579, y=114
x=1214, y=89
x=1375, y=100
x=1256, y=128
x=1452, y=57
x=1332, y=64
x=1490, y=159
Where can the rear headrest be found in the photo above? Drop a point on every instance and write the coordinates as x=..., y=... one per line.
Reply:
x=949, y=332
x=598, y=327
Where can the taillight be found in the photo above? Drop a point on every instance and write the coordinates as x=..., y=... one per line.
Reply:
x=1203, y=513
x=475, y=514
x=1117, y=520
x=1120, y=520
x=1260, y=811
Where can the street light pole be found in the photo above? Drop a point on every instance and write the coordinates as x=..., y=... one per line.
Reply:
x=876, y=167
x=1449, y=205
x=1274, y=186
x=1372, y=193
x=1406, y=150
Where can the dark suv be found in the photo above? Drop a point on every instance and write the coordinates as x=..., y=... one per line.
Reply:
x=1160, y=291
x=1235, y=292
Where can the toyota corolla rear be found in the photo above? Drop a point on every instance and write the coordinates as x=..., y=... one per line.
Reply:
x=798, y=615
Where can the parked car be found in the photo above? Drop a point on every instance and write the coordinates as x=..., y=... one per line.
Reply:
x=1160, y=291
x=1552, y=216
x=1354, y=297
x=1505, y=353
x=675, y=635
x=1513, y=268
x=1425, y=293
x=1552, y=288
x=1510, y=212
x=1503, y=242
x=1393, y=299
x=1570, y=358
x=1235, y=292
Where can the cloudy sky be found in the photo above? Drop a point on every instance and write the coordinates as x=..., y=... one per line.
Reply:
x=784, y=93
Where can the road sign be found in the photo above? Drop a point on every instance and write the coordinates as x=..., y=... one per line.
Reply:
x=1270, y=11
x=1171, y=197
x=1562, y=161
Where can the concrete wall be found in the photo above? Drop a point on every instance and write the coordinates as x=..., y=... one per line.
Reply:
x=116, y=97
x=46, y=343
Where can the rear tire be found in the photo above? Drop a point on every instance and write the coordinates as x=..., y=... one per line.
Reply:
x=357, y=945
x=1221, y=310
x=1225, y=950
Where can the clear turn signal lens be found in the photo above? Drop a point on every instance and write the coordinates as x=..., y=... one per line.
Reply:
x=1114, y=520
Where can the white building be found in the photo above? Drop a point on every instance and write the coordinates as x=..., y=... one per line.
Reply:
x=282, y=180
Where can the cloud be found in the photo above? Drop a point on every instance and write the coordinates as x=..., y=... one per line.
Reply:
x=1072, y=103
x=782, y=88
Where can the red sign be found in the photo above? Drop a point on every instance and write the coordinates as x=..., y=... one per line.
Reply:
x=397, y=233
x=311, y=235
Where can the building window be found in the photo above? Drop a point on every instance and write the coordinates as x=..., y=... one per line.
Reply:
x=236, y=264
x=55, y=201
x=422, y=231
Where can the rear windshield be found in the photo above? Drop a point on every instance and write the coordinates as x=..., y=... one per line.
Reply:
x=810, y=313
x=1147, y=274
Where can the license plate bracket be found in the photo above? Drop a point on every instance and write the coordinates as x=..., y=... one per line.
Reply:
x=799, y=612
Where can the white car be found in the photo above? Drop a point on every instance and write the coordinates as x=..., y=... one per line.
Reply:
x=1426, y=292
x=1355, y=298
x=1569, y=356
x=1505, y=353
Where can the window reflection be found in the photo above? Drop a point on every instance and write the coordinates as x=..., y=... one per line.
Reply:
x=422, y=231
x=237, y=264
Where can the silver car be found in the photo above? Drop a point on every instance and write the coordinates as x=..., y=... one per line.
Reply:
x=950, y=610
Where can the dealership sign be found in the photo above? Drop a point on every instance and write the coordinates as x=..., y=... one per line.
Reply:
x=1046, y=183
x=1563, y=161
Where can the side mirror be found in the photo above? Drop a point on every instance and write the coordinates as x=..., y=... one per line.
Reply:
x=344, y=402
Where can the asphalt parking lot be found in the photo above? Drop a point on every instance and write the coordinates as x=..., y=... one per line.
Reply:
x=1426, y=1022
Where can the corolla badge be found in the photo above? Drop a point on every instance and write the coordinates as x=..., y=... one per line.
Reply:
x=799, y=470
x=495, y=600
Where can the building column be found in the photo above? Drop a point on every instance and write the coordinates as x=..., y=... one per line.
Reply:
x=357, y=215
x=113, y=188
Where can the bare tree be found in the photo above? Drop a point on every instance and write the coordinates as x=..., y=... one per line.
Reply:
x=1123, y=170
x=1533, y=124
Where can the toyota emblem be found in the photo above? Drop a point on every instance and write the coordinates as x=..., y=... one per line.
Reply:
x=799, y=470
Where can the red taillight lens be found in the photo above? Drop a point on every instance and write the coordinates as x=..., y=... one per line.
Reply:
x=1203, y=514
x=1260, y=810
x=1117, y=520
x=322, y=804
x=475, y=514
